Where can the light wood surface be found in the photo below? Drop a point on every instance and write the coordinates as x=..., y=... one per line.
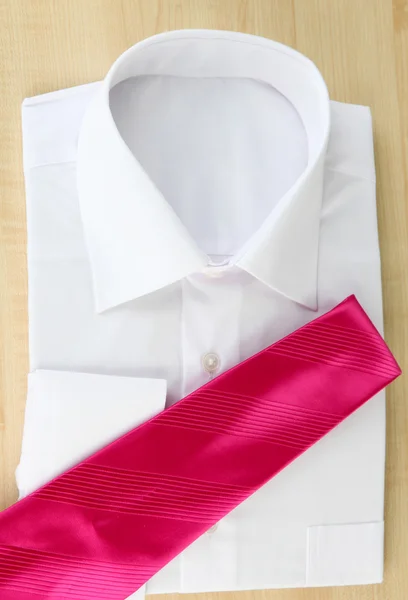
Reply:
x=361, y=47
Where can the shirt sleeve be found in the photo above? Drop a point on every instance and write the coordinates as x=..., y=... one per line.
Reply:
x=69, y=416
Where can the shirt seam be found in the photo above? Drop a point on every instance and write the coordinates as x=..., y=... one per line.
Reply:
x=349, y=174
x=300, y=59
x=326, y=168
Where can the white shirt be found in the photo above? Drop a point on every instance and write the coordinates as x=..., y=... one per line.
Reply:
x=201, y=202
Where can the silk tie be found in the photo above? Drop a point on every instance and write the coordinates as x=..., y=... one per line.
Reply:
x=103, y=528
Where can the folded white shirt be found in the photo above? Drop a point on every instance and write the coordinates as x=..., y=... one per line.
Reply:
x=200, y=203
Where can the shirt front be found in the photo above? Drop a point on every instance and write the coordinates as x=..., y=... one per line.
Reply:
x=204, y=200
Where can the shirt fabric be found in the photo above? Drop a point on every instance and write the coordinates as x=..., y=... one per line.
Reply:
x=204, y=200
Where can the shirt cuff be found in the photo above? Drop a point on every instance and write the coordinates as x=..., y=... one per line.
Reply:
x=69, y=416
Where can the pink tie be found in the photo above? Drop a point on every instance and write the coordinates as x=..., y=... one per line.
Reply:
x=102, y=529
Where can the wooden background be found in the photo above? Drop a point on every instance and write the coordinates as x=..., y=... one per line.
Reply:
x=361, y=47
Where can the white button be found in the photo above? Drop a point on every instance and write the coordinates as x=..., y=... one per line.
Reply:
x=214, y=271
x=211, y=362
x=213, y=528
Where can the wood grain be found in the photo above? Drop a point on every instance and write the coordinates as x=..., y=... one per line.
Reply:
x=361, y=47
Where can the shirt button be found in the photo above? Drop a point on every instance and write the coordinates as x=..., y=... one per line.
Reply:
x=211, y=362
x=215, y=271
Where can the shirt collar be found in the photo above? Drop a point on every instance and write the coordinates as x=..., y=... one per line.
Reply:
x=136, y=242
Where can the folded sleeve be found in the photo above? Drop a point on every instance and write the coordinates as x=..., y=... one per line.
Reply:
x=71, y=415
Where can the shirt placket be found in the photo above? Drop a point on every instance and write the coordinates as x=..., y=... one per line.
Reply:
x=211, y=326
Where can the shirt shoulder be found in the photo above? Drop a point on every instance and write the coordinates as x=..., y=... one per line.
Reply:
x=51, y=123
x=350, y=149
